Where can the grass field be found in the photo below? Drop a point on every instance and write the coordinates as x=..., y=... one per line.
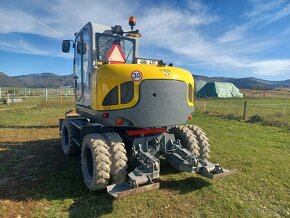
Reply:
x=37, y=180
x=272, y=111
x=272, y=93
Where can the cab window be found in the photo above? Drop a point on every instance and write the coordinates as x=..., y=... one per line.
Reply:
x=106, y=42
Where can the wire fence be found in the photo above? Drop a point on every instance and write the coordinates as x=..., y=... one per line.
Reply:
x=274, y=111
x=14, y=95
x=270, y=110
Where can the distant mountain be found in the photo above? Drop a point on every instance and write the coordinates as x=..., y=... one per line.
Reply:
x=42, y=80
x=45, y=80
x=50, y=80
x=6, y=81
x=248, y=82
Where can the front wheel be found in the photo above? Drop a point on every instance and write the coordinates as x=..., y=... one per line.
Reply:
x=67, y=133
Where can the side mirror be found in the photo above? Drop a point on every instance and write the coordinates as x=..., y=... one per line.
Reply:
x=65, y=46
x=81, y=48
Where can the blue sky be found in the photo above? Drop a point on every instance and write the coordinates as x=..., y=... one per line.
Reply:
x=231, y=38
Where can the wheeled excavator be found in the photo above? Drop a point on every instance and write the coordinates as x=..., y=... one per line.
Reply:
x=129, y=112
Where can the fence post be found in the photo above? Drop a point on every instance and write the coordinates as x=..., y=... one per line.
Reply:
x=285, y=107
x=245, y=110
x=60, y=89
x=46, y=94
x=0, y=94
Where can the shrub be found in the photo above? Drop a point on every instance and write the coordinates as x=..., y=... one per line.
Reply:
x=256, y=119
x=232, y=116
x=276, y=123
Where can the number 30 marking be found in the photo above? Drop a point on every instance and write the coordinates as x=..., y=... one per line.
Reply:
x=136, y=75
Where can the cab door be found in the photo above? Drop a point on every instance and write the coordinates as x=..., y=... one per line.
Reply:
x=78, y=70
x=82, y=68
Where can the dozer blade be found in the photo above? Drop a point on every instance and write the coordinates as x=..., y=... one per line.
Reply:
x=225, y=173
x=125, y=189
x=215, y=172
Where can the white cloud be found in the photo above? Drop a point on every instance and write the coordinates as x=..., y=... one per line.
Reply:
x=55, y=20
x=235, y=34
x=195, y=49
x=22, y=46
x=176, y=29
x=174, y=24
x=59, y=19
x=271, y=18
x=197, y=6
x=16, y=20
x=263, y=13
x=274, y=67
x=260, y=7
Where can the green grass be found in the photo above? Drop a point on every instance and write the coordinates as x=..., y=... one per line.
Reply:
x=37, y=180
x=273, y=111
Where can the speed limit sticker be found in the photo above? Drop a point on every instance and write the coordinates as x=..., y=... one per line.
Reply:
x=136, y=75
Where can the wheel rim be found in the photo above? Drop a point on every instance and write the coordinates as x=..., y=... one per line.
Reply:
x=89, y=166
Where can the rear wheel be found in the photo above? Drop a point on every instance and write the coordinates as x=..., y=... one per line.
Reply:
x=187, y=138
x=67, y=133
x=203, y=142
x=118, y=157
x=96, y=162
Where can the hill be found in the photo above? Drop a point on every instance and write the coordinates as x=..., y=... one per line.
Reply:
x=45, y=80
x=42, y=80
x=6, y=81
x=50, y=80
x=248, y=82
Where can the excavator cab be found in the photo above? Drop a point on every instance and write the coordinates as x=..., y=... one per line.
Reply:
x=95, y=46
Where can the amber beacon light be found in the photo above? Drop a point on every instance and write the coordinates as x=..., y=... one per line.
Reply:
x=132, y=22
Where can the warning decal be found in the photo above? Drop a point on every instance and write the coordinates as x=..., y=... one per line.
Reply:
x=116, y=55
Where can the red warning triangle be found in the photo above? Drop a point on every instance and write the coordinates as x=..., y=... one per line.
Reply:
x=116, y=55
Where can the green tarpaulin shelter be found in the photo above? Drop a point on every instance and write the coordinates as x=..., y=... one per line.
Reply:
x=198, y=84
x=219, y=90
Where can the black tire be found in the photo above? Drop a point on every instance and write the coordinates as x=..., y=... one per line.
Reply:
x=96, y=162
x=118, y=157
x=187, y=138
x=67, y=133
x=203, y=141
